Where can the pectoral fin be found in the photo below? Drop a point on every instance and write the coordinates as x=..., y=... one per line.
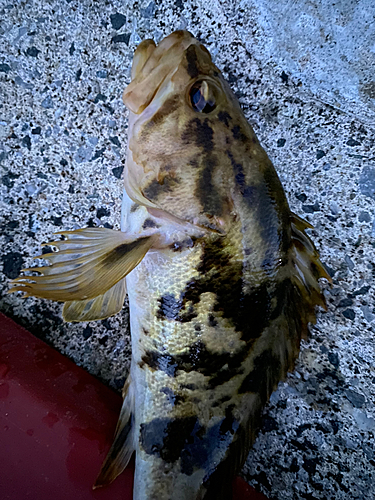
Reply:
x=88, y=263
x=123, y=445
x=100, y=307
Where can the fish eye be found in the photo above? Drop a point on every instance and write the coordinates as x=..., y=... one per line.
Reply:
x=202, y=96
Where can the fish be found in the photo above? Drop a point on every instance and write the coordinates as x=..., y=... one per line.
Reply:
x=221, y=276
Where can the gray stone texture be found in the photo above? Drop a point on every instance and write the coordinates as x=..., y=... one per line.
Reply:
x=304, y=75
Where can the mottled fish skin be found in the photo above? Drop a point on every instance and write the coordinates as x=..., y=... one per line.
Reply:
x=216, y=317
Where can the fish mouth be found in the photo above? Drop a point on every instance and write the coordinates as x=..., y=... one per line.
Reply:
x=152, y=64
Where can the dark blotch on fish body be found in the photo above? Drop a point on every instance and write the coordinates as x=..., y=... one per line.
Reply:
x=156, y=188
x=250, y=312
x=173, y=398
x=238, y=135
x=206, y=191
x=149, y=223
x=205, y=444
x=224, y=117
x=265, y=373
x=220, y=367
x=192, y=61
x=186, y=439
x=267, y=201
x=171, y=308
x=200, y=133
x=179, y=246
x=166, y=437
x=164, y=111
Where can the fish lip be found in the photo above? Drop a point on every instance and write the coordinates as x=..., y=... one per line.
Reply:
x=162, y=62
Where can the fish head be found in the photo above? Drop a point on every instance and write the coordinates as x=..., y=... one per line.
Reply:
x=184, y=122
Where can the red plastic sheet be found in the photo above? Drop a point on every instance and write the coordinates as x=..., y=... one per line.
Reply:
x=56, y=425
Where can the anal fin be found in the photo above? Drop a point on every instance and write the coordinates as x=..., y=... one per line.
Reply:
x=100, y=307
x=123, y=445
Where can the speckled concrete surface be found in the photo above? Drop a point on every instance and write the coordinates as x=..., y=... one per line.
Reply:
x=63, y=132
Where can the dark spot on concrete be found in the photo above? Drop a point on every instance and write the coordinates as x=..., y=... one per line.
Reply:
x=349, y=314
x=72, y=49
x=87, y=332
x=357, y=400
x=309, y=464
x=57, y=221
x=100, y=97
x=284, y=77
x=8, y=179
x=78, y=74
x=352, y=142
x=117, y=171
x=32, y=52
x=117, y=20
x=115, y=141
x=36, y=131
x=269, y=424
x=123, y=38
x=192, y=61
x=26, y=141
x=364, y=217
x=345, y=302
x=224, y=117
x=301, y=197
x=320, y=154
x=281, y=143
x=310, y=209
x=103, y=340
x=103, y=212
x=98, y=153
x=333, y=358
x=12, y=264
x=4, y=68
x=294, y=467
x=361, y=291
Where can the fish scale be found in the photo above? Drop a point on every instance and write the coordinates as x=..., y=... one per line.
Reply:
x=221, y=277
